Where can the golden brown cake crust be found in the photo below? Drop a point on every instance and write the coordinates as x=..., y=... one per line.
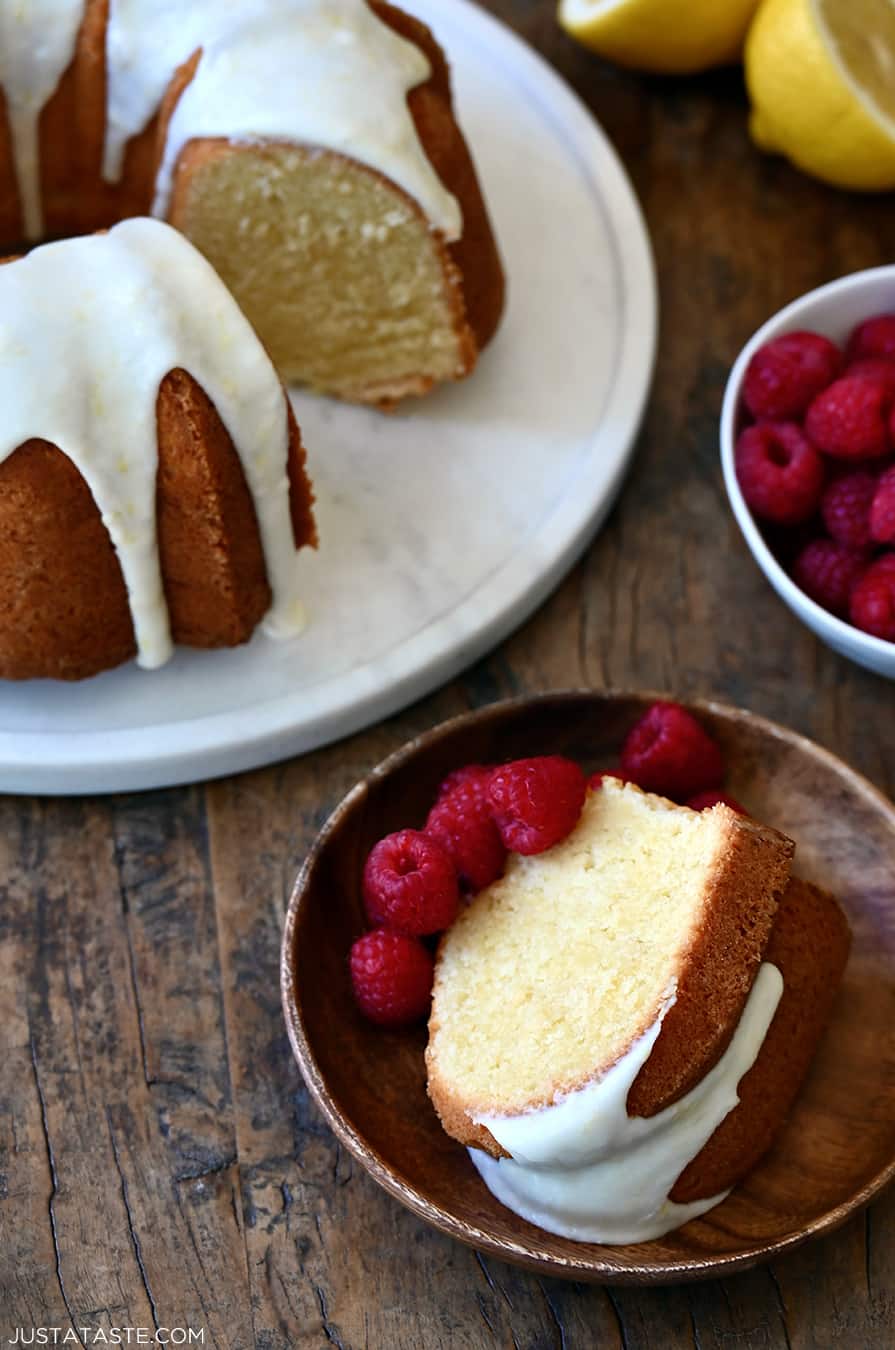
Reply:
x=721, y=965
x=10, y=207
x=213, y=600
x=809, y=945
x=212, y=563
x=472, y=273
x=77, y=199
x=64, y=612
x=717, y=973
x=63, y=606
x=431, y=104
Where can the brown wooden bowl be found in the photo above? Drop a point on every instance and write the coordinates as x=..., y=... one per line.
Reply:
x=838, y=1146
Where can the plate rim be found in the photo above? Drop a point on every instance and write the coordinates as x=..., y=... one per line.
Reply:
x=587, y=1268
x=165, y=754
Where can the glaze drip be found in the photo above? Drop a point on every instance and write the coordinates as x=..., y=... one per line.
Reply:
x=584, y=1169
x=37, y=43
x=324, y=73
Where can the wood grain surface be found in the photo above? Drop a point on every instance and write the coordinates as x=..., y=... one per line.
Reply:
x=160, y=1163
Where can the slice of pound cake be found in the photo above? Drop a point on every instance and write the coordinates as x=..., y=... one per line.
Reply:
x=595, y=1009
x=647, y=910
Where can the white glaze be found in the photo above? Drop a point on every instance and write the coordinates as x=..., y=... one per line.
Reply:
x=37, y=43
x=325, y=73
x=315, y=72
x=88, y=330
x=584, y=1169
x=450, y=583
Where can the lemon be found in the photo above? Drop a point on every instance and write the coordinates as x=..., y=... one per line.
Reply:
x=673, y=37
x=821, y=78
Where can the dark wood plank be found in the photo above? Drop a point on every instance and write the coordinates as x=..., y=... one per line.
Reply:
x=122, y=1179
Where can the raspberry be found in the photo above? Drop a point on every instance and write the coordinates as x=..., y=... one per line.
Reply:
x=536, y=802
x=873, y=337
x=785, y=374
x=703, y=801
x=828, y=572
x=872, y=606
x=877, y=368
x=845, y=508
x=779, y=471
x=669, y=752
x=410, y=884
x=391, y=975
x=848, y=420
x=882, y=512
x=478, y=773
x=461, y=822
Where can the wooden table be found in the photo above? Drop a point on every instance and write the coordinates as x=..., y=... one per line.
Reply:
x=159, y=1161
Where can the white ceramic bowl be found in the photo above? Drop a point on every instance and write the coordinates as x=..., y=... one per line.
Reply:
x=833, y=310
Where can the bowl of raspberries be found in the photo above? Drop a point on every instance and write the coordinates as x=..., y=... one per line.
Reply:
x=808, y=451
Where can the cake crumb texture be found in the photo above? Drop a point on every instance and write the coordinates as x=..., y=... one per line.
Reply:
x=351, y=288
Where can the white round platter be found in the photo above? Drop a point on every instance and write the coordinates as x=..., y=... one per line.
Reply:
x=442, y=527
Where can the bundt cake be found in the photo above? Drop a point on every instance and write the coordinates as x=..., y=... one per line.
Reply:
x=307, y=147
x=152, y=479
x=596, y=1009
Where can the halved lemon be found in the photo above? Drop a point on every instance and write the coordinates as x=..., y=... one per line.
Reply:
x=676, y=37
x=821, y=78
